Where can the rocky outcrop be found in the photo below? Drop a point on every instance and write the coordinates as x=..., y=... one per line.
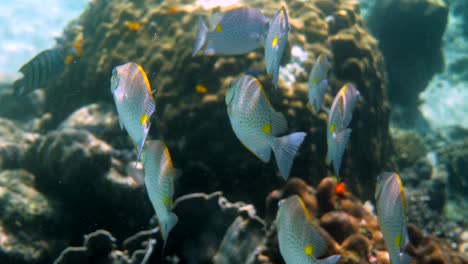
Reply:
x=410, y=37
x=27, y=220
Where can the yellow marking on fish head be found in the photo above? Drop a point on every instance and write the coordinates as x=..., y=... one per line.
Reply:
x=397, y=241
x=274, y=42
x=309, y=250
x=332, y=128
x=143, y=119
x=315, y=80
x=266, y=129
x=219, y=28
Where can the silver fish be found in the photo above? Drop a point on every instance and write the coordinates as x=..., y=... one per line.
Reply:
x=258, y=126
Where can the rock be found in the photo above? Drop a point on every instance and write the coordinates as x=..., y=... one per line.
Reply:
x=326, y=196
x=27, y=220
x=358, y=244
x=339, y=225
x=80, y=171
x=454, y=158
x=416, y=54
x=101, y=120
x=239, y=242
x=14, y=141
x=409, y=148
x=21, y=108
x=68, y=161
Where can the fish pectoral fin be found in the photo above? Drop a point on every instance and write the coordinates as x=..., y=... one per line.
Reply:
x=340, y=139
x=121, y=124
x=201, y=36
x=263, y=154
x=141, y=143
x=285, y=149
x=279, y=125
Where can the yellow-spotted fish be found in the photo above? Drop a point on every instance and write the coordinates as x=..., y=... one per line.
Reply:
x=318, y=82
x=236, y=31
x=391, y=212
x=45, y=67
x=258, y=126
x=159, y=182
x=338, y=120
x=298, y=239
x=134, y=101
x=275, y=42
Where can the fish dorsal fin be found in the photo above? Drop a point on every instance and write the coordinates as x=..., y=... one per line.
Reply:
x=279, y=125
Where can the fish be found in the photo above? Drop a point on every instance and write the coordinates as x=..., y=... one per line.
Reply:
x=233, y=32
x=134, y=101
x=159, y=182
x=132, y=26
x=318, y=82
x=275, y=42
x=258, y=126
x=338, y=120
x=298, y=239
x=41, y=70
x=391, y=212
x=201, y=89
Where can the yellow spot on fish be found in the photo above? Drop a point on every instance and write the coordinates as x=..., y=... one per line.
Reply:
x=201, y=89
x=332, y=128
x=166, y=201
x=68, y=59
x=309, y=250
x=315, y=80
x=219, y=28
x=274, y=42
x=143, y=119
x=267, y=129
x=132, y=26
x=397, y=240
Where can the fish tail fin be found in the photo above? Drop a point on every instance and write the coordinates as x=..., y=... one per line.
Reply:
x=285, y=149
x=201, y=36
x=340, y=140
x=172, y=220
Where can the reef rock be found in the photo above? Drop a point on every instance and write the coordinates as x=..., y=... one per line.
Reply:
x=410, y=37
x=81, y=172
x=14, y=141
x=27, y=220
x=101, y=120
x=195, y=125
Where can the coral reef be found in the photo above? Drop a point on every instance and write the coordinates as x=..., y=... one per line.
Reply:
x=162, y=44
x=27, y=220
x=410, y=37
